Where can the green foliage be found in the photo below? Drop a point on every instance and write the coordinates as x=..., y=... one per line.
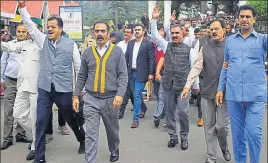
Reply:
x=261, y=6
x=94, y=11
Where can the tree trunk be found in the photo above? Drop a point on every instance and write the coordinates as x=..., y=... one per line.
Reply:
x=203, y=6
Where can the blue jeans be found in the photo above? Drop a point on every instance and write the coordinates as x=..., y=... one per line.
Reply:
x=137, y=87
x=246, y=124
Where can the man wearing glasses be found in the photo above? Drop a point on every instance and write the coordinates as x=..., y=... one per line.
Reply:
x=55, y=82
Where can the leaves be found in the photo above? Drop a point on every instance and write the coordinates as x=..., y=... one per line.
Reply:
x=94, y=11
x=261, y=6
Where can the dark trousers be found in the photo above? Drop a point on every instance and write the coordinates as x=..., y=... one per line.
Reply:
x=198, y=103
x=45, y=101
x=61, y=122
x=129, y=95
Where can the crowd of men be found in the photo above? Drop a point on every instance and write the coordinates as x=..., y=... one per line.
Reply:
x=184, y=60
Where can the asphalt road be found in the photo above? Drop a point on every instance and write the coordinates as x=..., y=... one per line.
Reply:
x=145, y=144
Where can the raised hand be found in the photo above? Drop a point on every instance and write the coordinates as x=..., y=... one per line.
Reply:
x=156, y=12
x=173, y=16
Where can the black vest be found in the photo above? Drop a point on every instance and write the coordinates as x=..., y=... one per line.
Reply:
x=213, y=57
x=177, y=66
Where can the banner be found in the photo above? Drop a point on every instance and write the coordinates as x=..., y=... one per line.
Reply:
x=72, y=21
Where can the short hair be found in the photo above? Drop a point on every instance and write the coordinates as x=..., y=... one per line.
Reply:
x=218, y=20
x=129, y=27
x=20, y=24
x=120, y=26
x=248, y=7
x=57, y=18
x=175, y=26
x=113, y=34
x=101, y=22
x=140, y=25
x=160, y=26
x=196, y=30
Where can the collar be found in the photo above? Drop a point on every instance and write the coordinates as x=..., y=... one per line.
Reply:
x=253, y=32
x=106, y=45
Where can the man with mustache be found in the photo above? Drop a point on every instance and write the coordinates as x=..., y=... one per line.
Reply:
x=244, y=84
x=55, y=82
x=140, y=62
x=103, y=73
x=128, y=35
x=216, y=119
x=9, y=69
x=177, y=67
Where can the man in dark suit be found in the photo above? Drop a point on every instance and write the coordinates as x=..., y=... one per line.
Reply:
x=140, y=62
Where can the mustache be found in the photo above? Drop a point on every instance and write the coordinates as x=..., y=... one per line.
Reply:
x=100, y=37
x=175, y=37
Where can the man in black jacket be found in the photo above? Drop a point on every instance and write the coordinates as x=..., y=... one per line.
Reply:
x=140, y=63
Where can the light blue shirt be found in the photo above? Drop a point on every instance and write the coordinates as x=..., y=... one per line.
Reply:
x=9, y=64
x=245, y=77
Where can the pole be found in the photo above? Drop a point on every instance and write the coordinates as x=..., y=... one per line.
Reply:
x=45, y=15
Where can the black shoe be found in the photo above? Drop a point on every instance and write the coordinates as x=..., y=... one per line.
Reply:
x=30, y=156
x=120, y=116
x=81, y=149
x=6, y=144
x=172, y=143
x=114, y=156
x=184, y=144
x=226, y=155
x=156, y=122
x=30, y=145
x=22, y=139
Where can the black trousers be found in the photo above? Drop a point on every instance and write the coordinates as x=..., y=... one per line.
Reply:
x=198, y=103
x=45, y=101
x=61, y=122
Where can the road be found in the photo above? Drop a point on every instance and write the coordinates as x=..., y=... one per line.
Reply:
x=145, y=144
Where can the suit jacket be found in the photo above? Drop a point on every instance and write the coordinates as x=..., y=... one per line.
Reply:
x=145, y=64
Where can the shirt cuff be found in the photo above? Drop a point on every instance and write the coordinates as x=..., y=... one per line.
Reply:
x=187, y=86
x=154, y=21
x=196, y=86
x=221, y=88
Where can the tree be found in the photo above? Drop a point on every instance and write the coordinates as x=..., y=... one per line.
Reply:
x=261, y=6
x=119, y=11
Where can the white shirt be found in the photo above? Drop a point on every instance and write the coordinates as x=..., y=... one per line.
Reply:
x=123, y=45
x=103, y=49
x=28, y=63
x=135, y=54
